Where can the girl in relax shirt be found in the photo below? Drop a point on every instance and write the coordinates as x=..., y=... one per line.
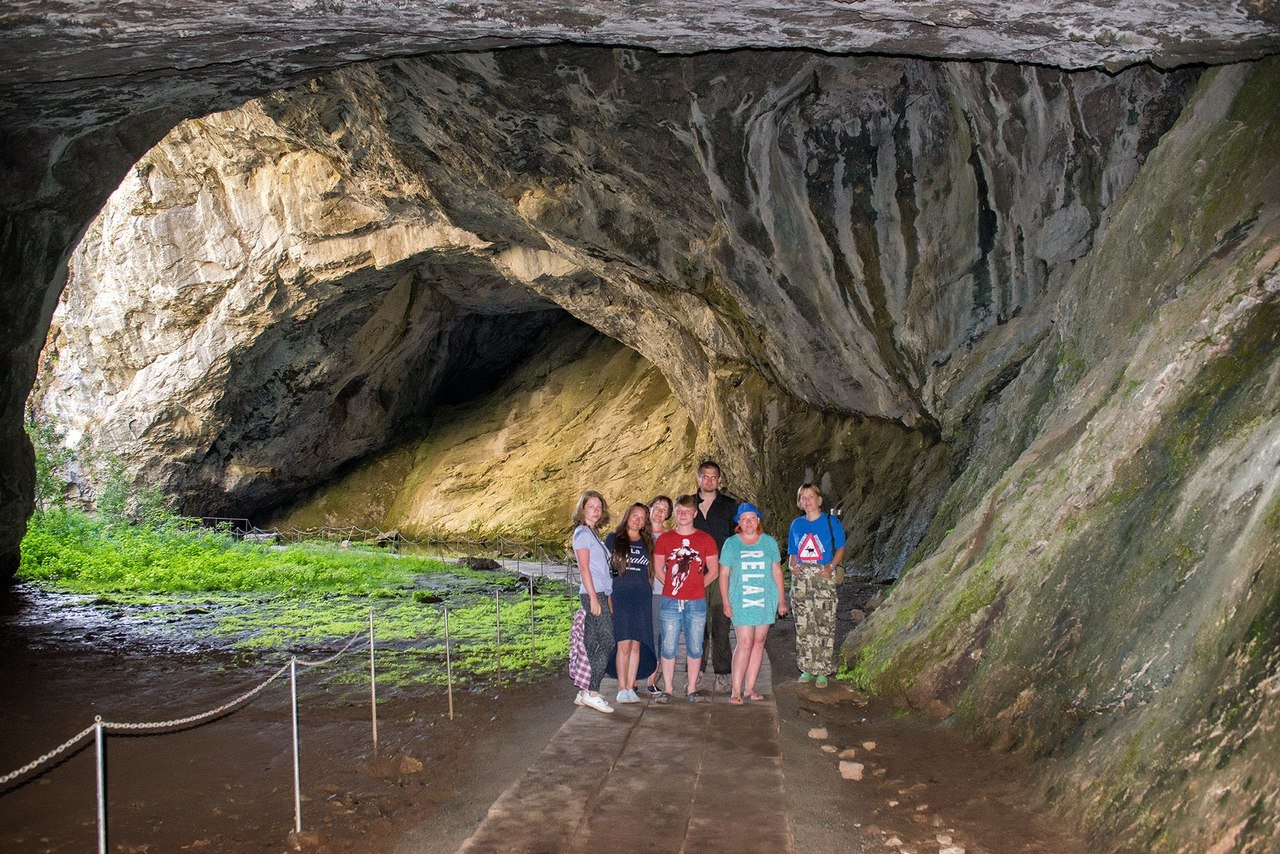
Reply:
x=751, y=589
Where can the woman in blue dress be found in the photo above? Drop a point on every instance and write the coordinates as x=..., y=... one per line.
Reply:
x=751, y=589
x=631, y=558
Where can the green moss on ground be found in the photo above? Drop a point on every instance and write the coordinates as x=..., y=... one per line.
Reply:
x=305, y=599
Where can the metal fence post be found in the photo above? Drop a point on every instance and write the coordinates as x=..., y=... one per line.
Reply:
x=533, y=640
x=448, y=660
x=497, y=630
x=373, y=687
x=102, y=784
x=297, y=778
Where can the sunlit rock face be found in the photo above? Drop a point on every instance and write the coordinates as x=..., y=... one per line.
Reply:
x=856, y=226
x=250, y=321
x=584, y=412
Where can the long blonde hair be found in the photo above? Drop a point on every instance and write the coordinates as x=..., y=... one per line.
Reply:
x=578, y=517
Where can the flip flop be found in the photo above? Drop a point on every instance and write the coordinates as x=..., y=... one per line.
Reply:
x=736, y=700
x=754, y=697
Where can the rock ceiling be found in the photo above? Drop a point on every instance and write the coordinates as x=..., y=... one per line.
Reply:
x=62, y=56
x=86, y=88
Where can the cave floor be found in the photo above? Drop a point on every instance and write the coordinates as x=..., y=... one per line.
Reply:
x=924, y=788
x=763, y=777
x=677, y=777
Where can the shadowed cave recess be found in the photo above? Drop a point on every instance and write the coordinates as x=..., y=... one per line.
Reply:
x=1015, y=308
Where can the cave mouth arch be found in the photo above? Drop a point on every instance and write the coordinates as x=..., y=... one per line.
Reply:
x=577, y=410
x=315, y=269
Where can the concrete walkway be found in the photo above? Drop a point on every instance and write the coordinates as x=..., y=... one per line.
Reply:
x=676, y=777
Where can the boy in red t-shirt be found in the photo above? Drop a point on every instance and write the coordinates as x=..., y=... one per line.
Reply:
x=685, y=561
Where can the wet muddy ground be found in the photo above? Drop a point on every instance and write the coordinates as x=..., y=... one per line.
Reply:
x=923, y=787
x=228, y=785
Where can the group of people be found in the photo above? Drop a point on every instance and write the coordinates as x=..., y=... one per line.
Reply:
x=645, y=586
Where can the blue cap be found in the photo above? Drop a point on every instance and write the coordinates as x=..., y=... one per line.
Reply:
x=746, y=507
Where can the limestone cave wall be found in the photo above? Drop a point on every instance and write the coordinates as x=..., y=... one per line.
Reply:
x=1100, y=587
x=582, y=412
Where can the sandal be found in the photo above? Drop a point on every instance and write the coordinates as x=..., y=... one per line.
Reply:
x=755, y=697
x=696, y=697
x=736, y=699
x=661, y=697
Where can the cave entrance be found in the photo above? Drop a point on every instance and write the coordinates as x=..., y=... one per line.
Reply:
x=508, y=452
x=313, y=271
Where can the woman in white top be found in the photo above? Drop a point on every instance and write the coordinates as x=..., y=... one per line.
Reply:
x=597, y=584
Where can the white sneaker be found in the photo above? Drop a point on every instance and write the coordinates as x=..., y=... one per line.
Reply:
x=577, y=701
x=628, y=696
x=595, y=701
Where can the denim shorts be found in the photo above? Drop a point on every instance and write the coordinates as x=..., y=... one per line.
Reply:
x=687, y=615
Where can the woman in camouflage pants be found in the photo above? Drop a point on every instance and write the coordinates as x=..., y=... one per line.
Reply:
x=815, y=549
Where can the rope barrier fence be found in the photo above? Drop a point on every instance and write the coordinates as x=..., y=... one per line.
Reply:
x=522, y=553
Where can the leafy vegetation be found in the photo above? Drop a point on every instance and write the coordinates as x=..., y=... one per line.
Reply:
x=78, y=553
x=51, y=460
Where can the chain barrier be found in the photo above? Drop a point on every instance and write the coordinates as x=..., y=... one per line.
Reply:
x=203, y=716
x=139, y=726
x=33, y=765
x=350, y=643
x=130, y=726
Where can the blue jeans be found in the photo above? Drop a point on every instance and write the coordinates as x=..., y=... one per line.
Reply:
x=687, y=615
